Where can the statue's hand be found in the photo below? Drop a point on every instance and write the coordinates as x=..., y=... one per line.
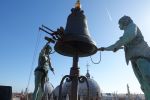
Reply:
x=101, y=49
x=52, y=69
x=115, y=49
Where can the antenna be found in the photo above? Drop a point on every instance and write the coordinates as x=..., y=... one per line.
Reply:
x=87, y=65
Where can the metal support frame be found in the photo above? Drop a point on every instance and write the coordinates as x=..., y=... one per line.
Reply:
x=74, y=78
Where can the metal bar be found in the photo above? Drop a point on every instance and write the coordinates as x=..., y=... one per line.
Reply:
x=74, y=74
x=47, y=32
x=44, y=30
x=48, y=28
x=60, y=86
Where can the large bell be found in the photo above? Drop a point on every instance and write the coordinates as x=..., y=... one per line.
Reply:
x=76, y=39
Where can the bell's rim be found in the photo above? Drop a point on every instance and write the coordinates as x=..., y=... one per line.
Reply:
x=83, y=44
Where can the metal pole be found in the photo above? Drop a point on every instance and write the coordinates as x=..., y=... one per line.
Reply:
x=60, y=86
x=74, y=73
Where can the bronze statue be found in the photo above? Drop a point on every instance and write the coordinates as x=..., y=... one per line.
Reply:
x=136, y=50
x=41, y=72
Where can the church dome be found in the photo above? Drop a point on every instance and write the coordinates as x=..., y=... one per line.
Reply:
x=56, y=91
x=48, y=89
x=94, y=89
x=65, y=91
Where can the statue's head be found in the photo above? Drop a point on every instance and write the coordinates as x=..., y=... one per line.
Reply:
x=124, y=21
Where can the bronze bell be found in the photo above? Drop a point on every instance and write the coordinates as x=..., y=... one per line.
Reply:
x=76, y=39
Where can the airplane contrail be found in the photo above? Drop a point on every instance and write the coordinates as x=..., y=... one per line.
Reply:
x=109, y=14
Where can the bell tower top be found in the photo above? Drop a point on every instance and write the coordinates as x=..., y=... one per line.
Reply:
x=78, y=5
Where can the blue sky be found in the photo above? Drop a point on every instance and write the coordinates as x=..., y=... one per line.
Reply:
x=19, y=23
